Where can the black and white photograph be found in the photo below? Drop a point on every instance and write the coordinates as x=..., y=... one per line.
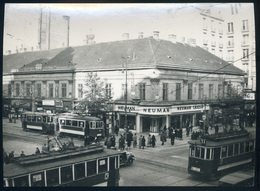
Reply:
x=129, y=95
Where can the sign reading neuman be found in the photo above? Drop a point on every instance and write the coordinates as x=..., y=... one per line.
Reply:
x=128, y=108
x=154, y=110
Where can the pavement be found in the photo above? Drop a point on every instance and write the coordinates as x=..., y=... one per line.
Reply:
x=175, y=157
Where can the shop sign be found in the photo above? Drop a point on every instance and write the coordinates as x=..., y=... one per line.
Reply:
x=249, y=96
x=48, y=102
x=128, y=108
x=154, y=110
x=59, y=103
x=183, y=108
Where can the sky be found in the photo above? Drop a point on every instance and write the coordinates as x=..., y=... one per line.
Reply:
x=107, y=21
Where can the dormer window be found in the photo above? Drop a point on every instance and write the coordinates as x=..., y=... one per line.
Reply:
x=38, y=67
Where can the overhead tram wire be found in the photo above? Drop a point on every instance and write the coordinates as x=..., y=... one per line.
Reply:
x=204, y=76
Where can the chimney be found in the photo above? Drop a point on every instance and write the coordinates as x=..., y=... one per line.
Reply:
x=183, y=40
x=90, y=38
x=156, y=34
x=172, y=38
x=191, y=42
x=125, y=36
x=140, y=35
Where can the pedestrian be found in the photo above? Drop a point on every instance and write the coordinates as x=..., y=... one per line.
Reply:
x=153, y=141
x=143, y=142
x=5, y=158
x=37, y=151
x=176, y=133
x=187, y=130
x=22, y=154
x=140, y=141
x=96, y=141
x=163, y=137
x=190, y=125
x=134, y=140
x=44, y=148
x=121, y=142
x=149, y=140
x=129, y=138
x=172, y=138
x=206, y=129
x=216, y=129
x=108, y=142
x=113, y=141
x=11, y=155
x=116, y=129
x=180, y=133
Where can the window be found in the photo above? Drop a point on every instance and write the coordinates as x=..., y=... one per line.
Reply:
x=245, y=25
x=220, y=54
x=197, y=151
x=17, y=89
x=210, y=91
x=52, y=177
x=39, y=119
x=142, y=91
x=220, y=90
x=236, y=149
x=165, y=91
x=81, y=124
x=28, y=89
x=38, y=67
x=68, y=122
x=204, y=24
x=212, y=26
x=75, y=123
x=33, y=118
x=230, y=150
x=200, y=91
x=178, y=91
x=80, y=90
x=62, y=122
x=37, y=179
x=21, y=181
x=66, y=174
x=64, y=90
x=50, y=90
x=9, y=90
x=242, y=148
x=108, y=90
x=224, y=151
x=192, y=150
x=102, y=165
x=202, y=153
x=230, y=41
x=230, y=27
x=245, y=39
x=249, y=146
x=91, y=168
x=245, y=54
x=39, y=90
x=230, y=55
x=208, y=153
x=190, y=91
x=79, y=170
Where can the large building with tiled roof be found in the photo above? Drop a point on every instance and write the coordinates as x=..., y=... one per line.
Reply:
x=167, y=82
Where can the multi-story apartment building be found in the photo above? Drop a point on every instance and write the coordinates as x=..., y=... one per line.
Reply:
x=168, y=82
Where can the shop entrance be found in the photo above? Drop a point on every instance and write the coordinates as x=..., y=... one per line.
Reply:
x=176, y=121
x=186, y=119
x=146, y=124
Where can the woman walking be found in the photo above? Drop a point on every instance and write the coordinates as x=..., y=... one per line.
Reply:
x=153, y=141
x=143, y=142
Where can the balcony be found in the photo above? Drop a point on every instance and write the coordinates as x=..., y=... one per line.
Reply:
x=244, y=29
x=230, y=45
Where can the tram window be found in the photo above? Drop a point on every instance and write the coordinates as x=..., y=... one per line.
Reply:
x=37, y=179
x=21, y=181
x=102, y=165
x=79, y=170
x=91, y=168
x=202, y=153
x=192, y=150
x=62, y=122
x=29, y=118
x=230, y=150
x=112, y=163
x=208, y=153
x=50, y=119
x=197, y=152
x=75, y=123
x=34, y=118
x=68, y=122
x=242, y=148
x=224, y=151
x=216, y=153
x=81, y=124
x=66, y=174
x=52, y=177
x=117, y=165
x=39, y=119
x=44, y=119
x=251, y=146
x=93, y=126
x=236, y=149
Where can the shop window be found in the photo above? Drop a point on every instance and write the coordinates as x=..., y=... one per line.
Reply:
x=52, y=177
x=230, y=150
x=66, y=174
x=22, y=181
x=242, y=148
x=37, y=179
x=68, y=122
x=102, y=165
x=79, y=170
x=224, y=151
x=75, y=123
x=91, y=168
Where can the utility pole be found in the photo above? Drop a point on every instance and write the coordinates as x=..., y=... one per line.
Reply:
x=126, y=62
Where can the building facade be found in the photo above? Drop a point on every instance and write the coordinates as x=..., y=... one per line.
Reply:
x=168, y=83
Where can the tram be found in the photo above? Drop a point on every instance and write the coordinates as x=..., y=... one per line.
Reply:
x=80, y=125
x=39, y=121
x=216, y=155
x=82, y=166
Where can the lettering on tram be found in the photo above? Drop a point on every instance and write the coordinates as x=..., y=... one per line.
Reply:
x=80, y=166
x=216, y=155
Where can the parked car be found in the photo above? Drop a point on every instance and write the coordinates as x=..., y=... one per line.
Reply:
x=126, y=158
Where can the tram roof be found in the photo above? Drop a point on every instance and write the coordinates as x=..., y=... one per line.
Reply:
x=222, y=142
x=37, y=113
x=17, y=169
x=78, y=117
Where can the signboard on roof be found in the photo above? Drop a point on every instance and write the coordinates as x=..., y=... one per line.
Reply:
x=48, y=102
